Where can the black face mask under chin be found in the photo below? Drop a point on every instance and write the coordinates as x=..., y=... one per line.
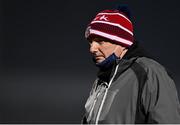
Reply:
x=108, y=62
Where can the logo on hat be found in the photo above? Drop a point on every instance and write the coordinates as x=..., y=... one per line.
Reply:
x=103, y=17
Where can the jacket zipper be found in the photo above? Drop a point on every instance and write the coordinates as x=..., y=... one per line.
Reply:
x=104, y=97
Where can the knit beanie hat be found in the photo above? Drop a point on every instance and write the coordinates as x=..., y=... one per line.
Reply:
x=112, y=25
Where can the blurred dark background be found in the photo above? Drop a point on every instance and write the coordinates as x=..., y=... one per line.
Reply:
x=46, y=71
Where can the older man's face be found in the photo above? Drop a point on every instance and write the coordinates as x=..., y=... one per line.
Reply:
x=101, y=49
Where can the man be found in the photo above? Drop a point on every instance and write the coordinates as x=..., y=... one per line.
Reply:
x=130, y=87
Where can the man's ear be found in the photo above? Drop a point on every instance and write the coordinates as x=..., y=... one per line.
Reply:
x=124, y=48
x=120, y=51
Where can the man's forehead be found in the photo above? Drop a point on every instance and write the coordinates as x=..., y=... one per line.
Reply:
x=101, y=39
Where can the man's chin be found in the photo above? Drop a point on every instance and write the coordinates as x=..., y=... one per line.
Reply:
x=99, y=61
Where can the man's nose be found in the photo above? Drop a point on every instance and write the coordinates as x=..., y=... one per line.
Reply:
x=93, y=47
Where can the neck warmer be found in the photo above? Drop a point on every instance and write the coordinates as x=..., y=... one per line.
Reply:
x=108, y=62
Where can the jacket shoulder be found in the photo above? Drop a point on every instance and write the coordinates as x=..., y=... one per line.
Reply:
x=160, y=91
x=157, y=76
x=150, y=64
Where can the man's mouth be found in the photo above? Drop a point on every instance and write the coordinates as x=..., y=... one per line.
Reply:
x=99, y=58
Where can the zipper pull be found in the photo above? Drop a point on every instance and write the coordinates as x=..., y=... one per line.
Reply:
x=105, y=84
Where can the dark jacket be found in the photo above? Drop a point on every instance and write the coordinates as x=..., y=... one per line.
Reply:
x=136, y=89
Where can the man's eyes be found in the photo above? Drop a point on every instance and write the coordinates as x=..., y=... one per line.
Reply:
x=101, y=42
x=97, y=41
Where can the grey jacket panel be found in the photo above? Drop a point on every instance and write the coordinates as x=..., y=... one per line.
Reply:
x=159, y=96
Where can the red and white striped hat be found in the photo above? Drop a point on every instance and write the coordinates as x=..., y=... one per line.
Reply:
x=112, y=25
